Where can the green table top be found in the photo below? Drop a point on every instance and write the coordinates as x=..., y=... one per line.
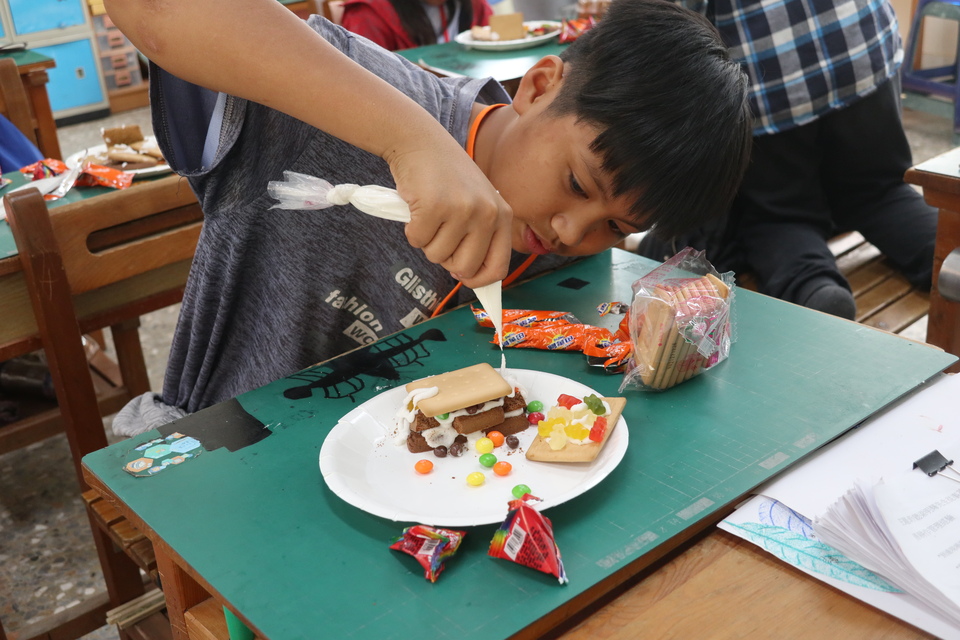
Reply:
x=25, y=56
x=453, y=59
x=261, y=526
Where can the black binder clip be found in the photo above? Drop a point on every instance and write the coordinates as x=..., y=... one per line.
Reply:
x=934, y=463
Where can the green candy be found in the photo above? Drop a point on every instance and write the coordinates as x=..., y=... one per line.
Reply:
x=519, y=490
x=443, y=416
x=534, y=406
x=488, y=459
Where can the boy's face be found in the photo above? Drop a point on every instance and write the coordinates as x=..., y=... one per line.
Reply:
x=543, y=167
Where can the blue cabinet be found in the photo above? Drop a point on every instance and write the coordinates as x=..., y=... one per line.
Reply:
x=75, y=81
x=31, y=16
x=62, y=30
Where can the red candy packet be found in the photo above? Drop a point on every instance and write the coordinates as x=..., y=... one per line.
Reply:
x=526, y=537
x=430, y=546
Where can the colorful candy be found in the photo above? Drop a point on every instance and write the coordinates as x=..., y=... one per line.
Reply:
x=496, y=437
x=502, y=468
x=488, y=459
x=520, y=490
x=535, y=406
x=423, y=466
x=534, y=417
x=476, y=479
x=484, y=445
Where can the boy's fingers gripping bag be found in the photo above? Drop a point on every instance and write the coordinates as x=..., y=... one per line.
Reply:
x=680, y=322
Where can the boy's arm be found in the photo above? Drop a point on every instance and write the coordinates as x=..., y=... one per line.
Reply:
x=259, y=50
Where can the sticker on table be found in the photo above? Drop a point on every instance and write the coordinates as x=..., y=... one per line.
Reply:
x=160, y=454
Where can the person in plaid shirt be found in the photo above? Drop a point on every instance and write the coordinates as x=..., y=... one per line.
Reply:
x=829, y=150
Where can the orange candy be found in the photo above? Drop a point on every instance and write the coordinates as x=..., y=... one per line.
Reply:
x=423, y=466
x=502, y=468
x=497, y=438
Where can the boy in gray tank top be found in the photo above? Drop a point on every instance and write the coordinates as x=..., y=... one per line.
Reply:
x=614, y=137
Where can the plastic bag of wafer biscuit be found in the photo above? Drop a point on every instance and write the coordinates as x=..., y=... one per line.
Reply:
x=680, y=322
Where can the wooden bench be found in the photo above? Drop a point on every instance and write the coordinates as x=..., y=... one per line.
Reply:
x=885, y=299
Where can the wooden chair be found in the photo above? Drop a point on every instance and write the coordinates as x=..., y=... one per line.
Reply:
x=13, y=100
x=102, y=263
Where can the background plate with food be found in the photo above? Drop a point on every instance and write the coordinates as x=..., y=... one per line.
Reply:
x=127, y=149
x=538, y=32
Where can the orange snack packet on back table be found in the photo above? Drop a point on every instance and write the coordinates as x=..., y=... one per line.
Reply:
x=97, y=175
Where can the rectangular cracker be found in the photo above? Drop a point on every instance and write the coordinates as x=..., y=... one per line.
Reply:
x=508, y=26
x=540, y=451
x=461, y=388
x=124, y=134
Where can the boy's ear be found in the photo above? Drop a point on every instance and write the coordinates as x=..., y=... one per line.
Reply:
x=540, y=82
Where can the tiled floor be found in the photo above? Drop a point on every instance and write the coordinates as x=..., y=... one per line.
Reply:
x=47, y=562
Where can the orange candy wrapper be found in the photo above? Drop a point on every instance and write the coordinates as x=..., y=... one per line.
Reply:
x=523, y=317
x=561, y=331
x=92, y=175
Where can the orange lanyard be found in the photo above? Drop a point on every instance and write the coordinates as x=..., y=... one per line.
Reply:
x=471, y=145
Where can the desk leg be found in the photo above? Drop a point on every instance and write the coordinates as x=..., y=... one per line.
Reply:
x=180, y=590
x=943, y=324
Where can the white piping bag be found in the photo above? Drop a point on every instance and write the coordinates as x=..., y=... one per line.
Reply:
x=299, y=191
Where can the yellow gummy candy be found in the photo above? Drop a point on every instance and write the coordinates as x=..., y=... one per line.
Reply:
x=576, y=431
x=558, y=440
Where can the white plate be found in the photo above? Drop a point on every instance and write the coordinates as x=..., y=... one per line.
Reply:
x=467, y=40
x=361, y=463
x=75, y=158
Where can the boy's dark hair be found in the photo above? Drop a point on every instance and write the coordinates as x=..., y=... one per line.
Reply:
x=657, y=81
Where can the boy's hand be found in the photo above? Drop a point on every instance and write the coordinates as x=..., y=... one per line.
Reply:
x=458, y=219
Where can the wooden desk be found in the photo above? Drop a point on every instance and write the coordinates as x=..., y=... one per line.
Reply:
x=257, y=528
x=452, y=59
x=940, y=179
x=33, y=72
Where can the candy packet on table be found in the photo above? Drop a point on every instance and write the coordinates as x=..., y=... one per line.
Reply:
x=526, y=537
x=680, y=322
x=570, y=30
x=523, y=317
x=431, y=546
x=46, y=168
x=97, y=175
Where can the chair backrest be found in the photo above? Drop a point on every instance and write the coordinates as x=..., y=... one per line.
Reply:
x=102, y=262
x=13, y=100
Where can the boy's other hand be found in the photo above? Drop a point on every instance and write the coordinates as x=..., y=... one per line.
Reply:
x=457, y=218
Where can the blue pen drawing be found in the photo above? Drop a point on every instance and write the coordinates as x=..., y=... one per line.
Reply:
x=789, y=536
